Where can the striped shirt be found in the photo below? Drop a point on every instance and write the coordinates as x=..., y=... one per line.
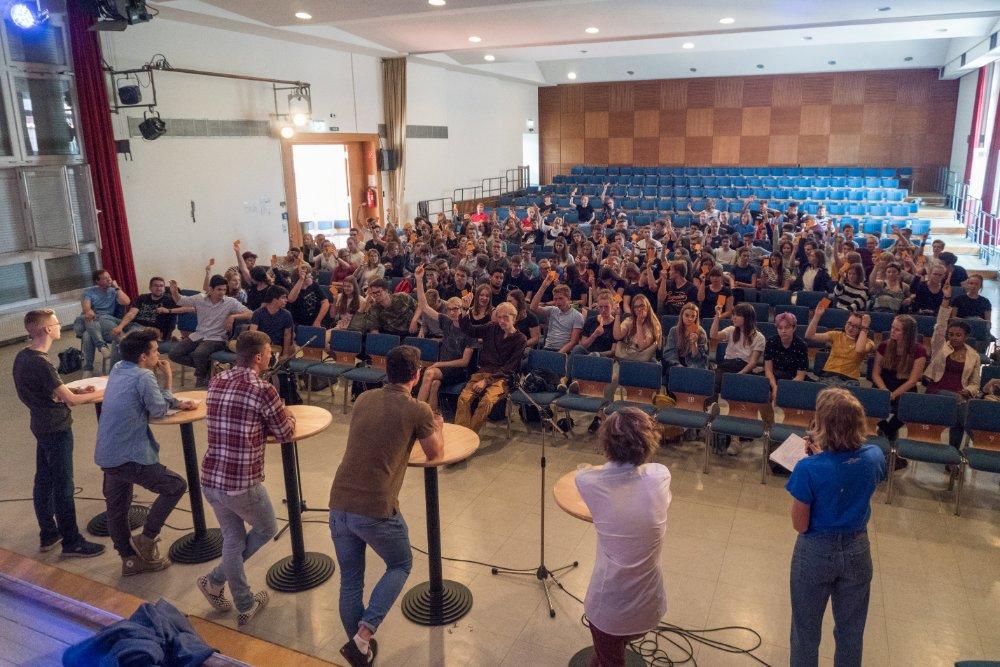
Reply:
x=243, y=410
x=849, y=297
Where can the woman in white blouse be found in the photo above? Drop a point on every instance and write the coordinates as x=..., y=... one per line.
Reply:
x=628, y=498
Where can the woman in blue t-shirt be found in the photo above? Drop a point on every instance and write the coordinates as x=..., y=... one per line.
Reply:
x=831, y=502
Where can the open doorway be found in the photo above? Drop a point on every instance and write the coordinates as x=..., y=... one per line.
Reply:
x=322, y=195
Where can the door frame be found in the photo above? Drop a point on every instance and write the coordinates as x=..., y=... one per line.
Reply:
x=362, y=165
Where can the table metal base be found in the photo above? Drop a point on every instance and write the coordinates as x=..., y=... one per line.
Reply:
x=425, y=608
x=291, y=577
x=582, y=658
x=136, y=517
x=194, y=548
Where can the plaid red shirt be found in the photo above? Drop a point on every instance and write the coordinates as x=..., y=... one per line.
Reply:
x=243, y=410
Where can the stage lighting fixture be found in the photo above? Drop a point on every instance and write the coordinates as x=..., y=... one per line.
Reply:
x=152, y=127
x=116, y=15
x=27, y=15
x=287, y=132
x=299, y=109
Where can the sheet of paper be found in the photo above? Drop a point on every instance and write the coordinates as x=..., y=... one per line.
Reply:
x=98, y=383
x=790, y=452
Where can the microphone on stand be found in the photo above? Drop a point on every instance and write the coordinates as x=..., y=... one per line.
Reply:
x=283, y=364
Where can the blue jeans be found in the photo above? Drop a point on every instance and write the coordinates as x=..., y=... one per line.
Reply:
x=53, y=490
x=390, y=539
x=825, y=566
x=233, y=513
x=94, y=334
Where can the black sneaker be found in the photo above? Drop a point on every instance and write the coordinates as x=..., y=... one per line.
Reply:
x=49, y=543
x=353, y=655
x=82, y=549
x=594, y=425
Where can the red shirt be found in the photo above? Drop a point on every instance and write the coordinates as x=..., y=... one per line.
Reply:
x=243, y=410
x=479, y=217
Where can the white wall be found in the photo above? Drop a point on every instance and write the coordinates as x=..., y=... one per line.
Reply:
x=236, y=183
x=963, y=122
x=485, y=118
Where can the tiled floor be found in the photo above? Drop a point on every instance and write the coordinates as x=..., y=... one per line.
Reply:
x=935, y=598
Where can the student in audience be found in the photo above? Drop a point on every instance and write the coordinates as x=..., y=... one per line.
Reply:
x=364, y=498
x=261, y=279
x=456, y=349
x=216, y=315
x=307, y=301
x=289, y=263
x=95, y=323
x=927, y=295
x=245, y=261
x=971, y=304
x=786, y=356
x=274, y=320
x=128, y=454
x=686, y=343
x=814, y=276
x=774, y=273
x=831, y=493
x=48, y=400
x=851, y=293
x=628, y=497
x=956, y=274
x=639, y=334
x=390, y=313
x=744, y=348
x=565, y=323
x=500, y=354
x=584, y=210
x=597, y=336
x=243, y=410
x=348, y=303
x=371, y=270
x=725, y=253
x=899, y=364
x=155, y=309
x=848, y=348
x=711, y=288
x=480, y=304
x=891, y=295
x=954, y=366
x=674, y=289
x=234, y=287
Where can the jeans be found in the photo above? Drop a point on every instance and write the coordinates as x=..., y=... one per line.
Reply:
x=824, y=566
x=389, y=538
x=94, y=334
x=197, y=355
x=233, y=512
x=118, y=483
x=53, y=490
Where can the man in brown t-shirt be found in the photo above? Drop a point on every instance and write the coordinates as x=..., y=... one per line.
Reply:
x=364, y=499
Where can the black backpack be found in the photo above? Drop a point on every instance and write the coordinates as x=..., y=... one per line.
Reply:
x=540, y=380
x=70, y=361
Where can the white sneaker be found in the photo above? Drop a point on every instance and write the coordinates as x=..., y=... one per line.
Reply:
x=259, y=602
x=216, y=596
x=734, y=448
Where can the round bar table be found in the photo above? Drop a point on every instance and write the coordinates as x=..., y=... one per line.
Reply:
x=439, y=601
x=204, y=544
x=302, y=570
x=569, y=500
x=136, y=513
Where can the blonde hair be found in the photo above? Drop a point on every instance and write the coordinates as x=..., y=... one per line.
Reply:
x=561, y=289
x=506, y=307
x=34, y=320
x=839, y=422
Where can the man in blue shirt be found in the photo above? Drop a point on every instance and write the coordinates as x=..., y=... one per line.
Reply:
x=93, y=326
x=274, y=319
x=128, y=454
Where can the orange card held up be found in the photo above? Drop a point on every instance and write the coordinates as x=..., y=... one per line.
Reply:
x=823, y=304
x=721, y=301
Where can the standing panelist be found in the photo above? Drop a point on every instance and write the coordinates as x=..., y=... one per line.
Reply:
x=364, y=498
x=243, y=409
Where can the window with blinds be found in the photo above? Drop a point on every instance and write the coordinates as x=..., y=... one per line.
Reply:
x=81, y=200
x=42, y=45
x=17, y=283
x=71, y=272
x=46, y=109
x=49, y=208
x=13, y=232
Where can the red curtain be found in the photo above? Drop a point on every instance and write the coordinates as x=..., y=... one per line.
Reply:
x=978, y=114
x=992, y=162
x=99, y=143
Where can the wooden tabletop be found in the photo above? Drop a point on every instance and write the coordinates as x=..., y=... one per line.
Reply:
x=96, y=396
x=309, y=420
x=459, y=444
x=185, y=416
x=568, y=497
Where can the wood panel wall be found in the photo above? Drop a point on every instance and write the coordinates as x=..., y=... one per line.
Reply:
x=884, y=118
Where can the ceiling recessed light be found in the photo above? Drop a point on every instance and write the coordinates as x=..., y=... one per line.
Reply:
x=908, y=58
x=831, y=62
x=693, y=69
x=475, y=39
x=437, y=3
x=592, y=30
x=305, y=16
x=727, y=20
x=571, y=75
x=760, y=67
x=883, y=9
x=941, y=30
x=489, y=58
x=687, y=45
x=808, y=38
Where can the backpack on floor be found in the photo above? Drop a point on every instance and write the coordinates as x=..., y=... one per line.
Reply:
x=70, y=361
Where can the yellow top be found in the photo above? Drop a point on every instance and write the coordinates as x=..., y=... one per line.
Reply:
x=844, y=359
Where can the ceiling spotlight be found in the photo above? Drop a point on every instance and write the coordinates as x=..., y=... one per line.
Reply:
x=808, y=38
x=908, y=58
x=489, y=58
x=693, y=69
x=437, y=3
x=26, y=16
x=571, y=75
x=831, y=62
x=592, y=30
x=305, y=16
x=883, y=9
x=760, y=67
x=287, y=132
x=299, y=109
x=475, y=39
x=116, y=15
x=727, y=20
x=687, y=45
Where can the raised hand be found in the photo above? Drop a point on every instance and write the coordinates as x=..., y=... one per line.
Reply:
x=211, y=263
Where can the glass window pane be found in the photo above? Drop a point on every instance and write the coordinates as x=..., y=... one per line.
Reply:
x=51, y=216
x=47, y=116
x=13, y=232
x=6, y=146
x=17, y=283
x=81, y=199
x=42, y=44
x=70, y=273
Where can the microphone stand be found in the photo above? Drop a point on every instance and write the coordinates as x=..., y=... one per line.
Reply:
x=542, y=573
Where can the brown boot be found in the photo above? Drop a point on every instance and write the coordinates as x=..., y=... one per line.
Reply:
x=148, y=548
x=136, y=565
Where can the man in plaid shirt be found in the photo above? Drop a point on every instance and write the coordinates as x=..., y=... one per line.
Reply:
x=243, y=410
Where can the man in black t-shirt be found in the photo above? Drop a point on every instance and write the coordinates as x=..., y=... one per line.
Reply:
x=156, y=310
x=598, y=331
x=676, y=289
x=39, y=387
x=584, y=210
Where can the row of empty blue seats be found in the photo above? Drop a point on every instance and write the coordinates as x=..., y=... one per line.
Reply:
x=731, y=181
x=670, y=205
x=819, y=194
x=668, y=170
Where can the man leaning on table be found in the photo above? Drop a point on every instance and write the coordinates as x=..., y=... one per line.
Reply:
x=364, y=499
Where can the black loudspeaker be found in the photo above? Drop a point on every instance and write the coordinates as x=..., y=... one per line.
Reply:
x=152, y=127
x=386, y=160
x=129, y=94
